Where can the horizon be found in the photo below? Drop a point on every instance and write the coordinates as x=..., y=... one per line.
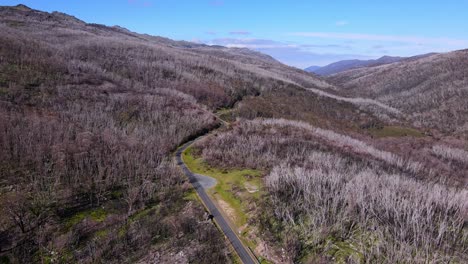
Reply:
x=306, y=35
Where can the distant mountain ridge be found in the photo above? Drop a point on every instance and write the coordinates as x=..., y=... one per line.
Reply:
x=341, y=66
x=345, y=65
x=431, y=88
x=115, y=103
x=312, y=68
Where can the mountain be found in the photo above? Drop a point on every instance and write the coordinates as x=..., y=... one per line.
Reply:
x=431, y=89
x=312, y=68
x=89, y=118
x=92, y=117
x=345, y=65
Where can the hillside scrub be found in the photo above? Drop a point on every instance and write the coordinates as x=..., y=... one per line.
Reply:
x=112, y=152
x=431, y=90
x=357, y=101
x=455, y=154
x=215, y=76
x=387, y=218
x=269, y=150
x=337, y=197
x=90, y=116
x=86, y=169
x=301, y=104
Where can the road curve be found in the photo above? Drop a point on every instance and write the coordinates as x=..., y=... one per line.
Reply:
x=242, y=251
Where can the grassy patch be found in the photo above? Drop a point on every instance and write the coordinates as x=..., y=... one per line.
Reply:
x=231, y=184
x=3, y=91
x=264, y=261
x=226, y=114
x=98, y=215
x=191, y=195
x=136, y=217
x=142, y=213
x=47, y=256
x=395, y=131
x=15, y=24
x=116, y=194
x=342, y=251
x=237, y=188
x=101, y=234
x=235, y=259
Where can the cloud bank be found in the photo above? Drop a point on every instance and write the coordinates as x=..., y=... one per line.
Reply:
x=322, y=48
x=388, y=38
x=298, y=55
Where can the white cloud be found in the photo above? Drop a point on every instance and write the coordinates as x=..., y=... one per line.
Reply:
x=250, y=43
x=253, y=43
x=389, y=38
x=298, y=55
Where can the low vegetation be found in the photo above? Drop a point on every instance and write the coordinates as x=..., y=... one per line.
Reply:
x=86, y=161
x=394, y=131
x=451, y=154
x=236, y=187
x=304, y=105
x=337, y=198
x=431, y=90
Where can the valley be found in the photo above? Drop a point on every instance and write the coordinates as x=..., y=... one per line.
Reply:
x=102, y=131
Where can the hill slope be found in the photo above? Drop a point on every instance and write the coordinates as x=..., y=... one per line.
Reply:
x=432, y=90
x=312, y=68
x=173, y=64
x=87, y=133
x=341, y=66
x=94, y=112
x=216, y=76
x=90, y=117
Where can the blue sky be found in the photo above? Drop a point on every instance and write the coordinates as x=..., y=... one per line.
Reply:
x=297, y=32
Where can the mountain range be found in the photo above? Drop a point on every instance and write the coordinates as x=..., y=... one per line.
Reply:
x=431, y=89
x=345, y=65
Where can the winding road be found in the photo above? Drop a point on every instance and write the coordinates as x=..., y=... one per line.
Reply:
x=243, y=252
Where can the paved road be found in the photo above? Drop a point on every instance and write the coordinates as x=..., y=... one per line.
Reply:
x=205, y=181
x=242, y=251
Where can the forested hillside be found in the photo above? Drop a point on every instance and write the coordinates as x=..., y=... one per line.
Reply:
x=90, y=116
x=345, y=65
x=86, y=168
x=346, y=169
x=431, y=90
x=334, y=198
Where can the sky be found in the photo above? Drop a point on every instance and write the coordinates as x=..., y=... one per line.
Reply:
x=300, y=33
